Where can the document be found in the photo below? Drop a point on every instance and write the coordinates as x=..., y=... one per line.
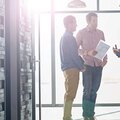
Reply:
x=101, y=49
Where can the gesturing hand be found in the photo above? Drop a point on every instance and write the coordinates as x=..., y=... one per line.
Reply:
x=92, y=52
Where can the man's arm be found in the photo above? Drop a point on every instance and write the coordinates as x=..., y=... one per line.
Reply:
x=79, y=43
x=75, y=57
x=116, y=51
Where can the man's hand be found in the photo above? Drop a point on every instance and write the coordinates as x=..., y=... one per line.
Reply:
x=83, y=70
x=92, y=52
x=116, y=52
x=103, y=63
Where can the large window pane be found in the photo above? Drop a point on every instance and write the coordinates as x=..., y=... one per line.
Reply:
x=111, y=74
x=45, y=48
x=43, y=5
x=109, y=4
x=38, y=5
x=45, y=60
x=61, y=5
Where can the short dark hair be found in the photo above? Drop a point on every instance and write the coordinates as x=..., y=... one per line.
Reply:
x=90, y=15
x=68, y=19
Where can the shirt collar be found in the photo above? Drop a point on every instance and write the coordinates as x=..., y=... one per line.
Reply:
x=90, y=30
x=69, y=32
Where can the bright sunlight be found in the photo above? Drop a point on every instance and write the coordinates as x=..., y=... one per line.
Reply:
x=37, y=5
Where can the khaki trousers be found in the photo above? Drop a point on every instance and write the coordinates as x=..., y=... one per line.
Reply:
x=71, y=83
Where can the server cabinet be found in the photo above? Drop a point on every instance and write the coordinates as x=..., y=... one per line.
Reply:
x=20, y=104
x=2, y=60
x=26, y=63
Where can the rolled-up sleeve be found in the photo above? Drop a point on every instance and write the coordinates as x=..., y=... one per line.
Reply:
x=79, y=42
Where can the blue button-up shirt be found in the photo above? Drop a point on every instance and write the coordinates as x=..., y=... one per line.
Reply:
x=69, y=52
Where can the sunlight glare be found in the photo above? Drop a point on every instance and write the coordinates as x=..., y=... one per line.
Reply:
x=33, y=5
x=37, y=5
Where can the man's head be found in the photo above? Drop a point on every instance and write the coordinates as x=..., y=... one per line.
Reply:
x=70, y=23
x=92, y=20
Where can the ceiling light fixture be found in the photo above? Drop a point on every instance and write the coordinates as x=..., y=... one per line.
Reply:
x=76, y=4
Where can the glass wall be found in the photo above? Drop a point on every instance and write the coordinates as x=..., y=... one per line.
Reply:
x=109, y=5
x=45, y=53
x=111, y=75
x=43, y=23
x=108, y=22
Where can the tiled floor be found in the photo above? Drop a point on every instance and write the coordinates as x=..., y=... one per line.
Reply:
x=102, y=113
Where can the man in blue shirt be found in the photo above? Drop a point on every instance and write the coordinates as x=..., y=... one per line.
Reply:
x=71, y=64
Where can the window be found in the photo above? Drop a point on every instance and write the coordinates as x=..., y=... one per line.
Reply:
x=111, y=74
x=109, y=4
x=108, y=23
x=45, y=59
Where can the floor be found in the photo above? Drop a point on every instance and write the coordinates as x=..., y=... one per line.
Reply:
x=55, y=113
x=107, y=94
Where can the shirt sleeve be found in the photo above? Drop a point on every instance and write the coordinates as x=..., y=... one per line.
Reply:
x=79, y=38
x=74, y=53
x=79, y=42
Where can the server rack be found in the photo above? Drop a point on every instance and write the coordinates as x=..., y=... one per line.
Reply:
x=26, y=63
x=2, y=60
x=19, y=64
